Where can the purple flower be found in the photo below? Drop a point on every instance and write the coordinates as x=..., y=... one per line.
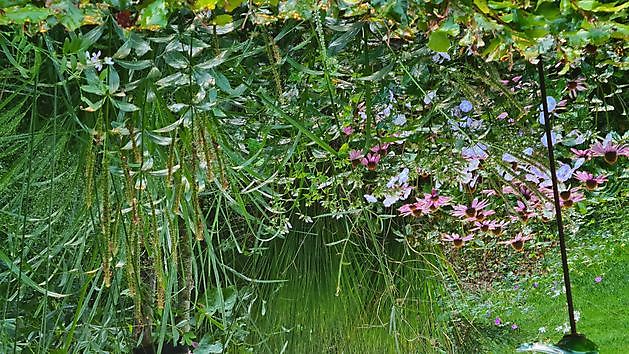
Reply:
x=429, y=97
x=516, y=287
x=370, y=198
x=536, y=285
x=348, y=130
x=476, y=152
x=598, y=279
x=440, y=57
x=497, y=321
x=465, y=106
x=514, y=326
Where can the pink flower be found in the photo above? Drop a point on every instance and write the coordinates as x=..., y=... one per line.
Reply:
x=573, y=197
x=598, y=279
x=471, y=211
x=355, y=156
x=575, y=86
x=517, y=242
x=497, y=321
x=381, y=148
x=348, y=130
x=434, y=201
x=414, y=209
x=523, y=211
x=497, y=227
x=483, y=226
x=587, y=154
x=609, y=151
x=456, y=239
x=370, y=161
x=590, y=181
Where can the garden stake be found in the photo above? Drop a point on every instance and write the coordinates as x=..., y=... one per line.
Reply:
x=573, y=342
x=553, y=176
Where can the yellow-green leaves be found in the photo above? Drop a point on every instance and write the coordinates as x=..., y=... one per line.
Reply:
x=439, y=41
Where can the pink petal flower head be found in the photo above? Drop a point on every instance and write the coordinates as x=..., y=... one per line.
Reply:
x=586, y=154
x=434, y=201
x=575, y=86
x=416, y=209
x=348, y=130
x=469, y=211
x=497, y=321
x=370, y=161
x=355, y=156
x=517, y=242
x=483, y=226
x=574, y=197
x=497, y=227
x=381, y=148
x=591, y=182
x=456, y=239
x=609, y=151
x=514, y=326
x=598, y=279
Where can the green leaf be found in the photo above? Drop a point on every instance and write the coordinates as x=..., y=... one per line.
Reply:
x=176, y=60
x=26, y=279
x=337, y=45
x=439, y=41
x=222, y=20
x=22, y=14
x=125, y=106
x=154, y=15
x=113, y=79
x=205, y=4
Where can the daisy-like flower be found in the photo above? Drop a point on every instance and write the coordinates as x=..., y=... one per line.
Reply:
x=481, y=215
x=456, y=239
x=609, y=151
x=355, y=157
x=523, y=211
x=574, y=198
x=469, y=211
x=586, y=154
x=517, y=242
x=591, y=182
x=416, y=209
x=575, y=86
x=370, y=161
x=380, y=149
x=497, y=227
x=483, y=226
x=434, y=201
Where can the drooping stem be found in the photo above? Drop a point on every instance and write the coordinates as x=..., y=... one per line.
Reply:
x=553, y=175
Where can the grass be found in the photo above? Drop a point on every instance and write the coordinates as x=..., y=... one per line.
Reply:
x=599, y=249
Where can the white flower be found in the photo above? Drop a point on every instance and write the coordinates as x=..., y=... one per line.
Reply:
x=577, y=316
x=399, y=120
x=108, y=61
x=370, y=198
x=542, y=330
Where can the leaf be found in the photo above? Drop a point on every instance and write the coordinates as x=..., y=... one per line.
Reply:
x=134, y=65
x=22, y=14
x=222, y=20
x=25, y=279
x=113, y=79
x=378, y=75
x=482, y=6
x=154, y=15
x=125, y=106
x=176, y=60
x=439, y=41
x=205, y=4
x=337, y=45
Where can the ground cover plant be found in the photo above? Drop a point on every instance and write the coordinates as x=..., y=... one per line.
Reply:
x=297, y=176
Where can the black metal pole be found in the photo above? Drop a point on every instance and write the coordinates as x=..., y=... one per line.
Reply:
x=553, y=176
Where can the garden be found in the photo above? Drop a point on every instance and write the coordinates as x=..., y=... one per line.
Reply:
x=283, y=176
